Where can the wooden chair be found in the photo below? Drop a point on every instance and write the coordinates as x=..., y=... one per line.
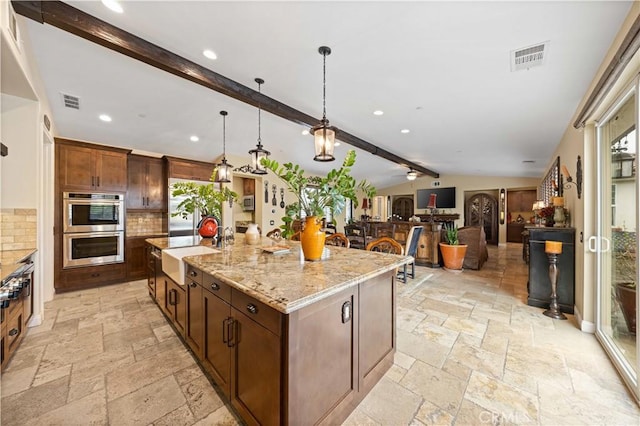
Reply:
x=357, y=236
x=338, y=239
x=386, y=245
x=296, y=236
x=385, y=230
x=411, y=249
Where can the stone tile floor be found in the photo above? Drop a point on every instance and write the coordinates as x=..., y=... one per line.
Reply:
x=470, y=351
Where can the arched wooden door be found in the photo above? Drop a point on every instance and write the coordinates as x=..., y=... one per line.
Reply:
x=482, y=209
x=403, y=207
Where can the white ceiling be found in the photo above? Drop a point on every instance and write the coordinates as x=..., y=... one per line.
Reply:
x=440, y=69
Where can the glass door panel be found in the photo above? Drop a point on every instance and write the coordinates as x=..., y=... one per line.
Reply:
x=618, y=241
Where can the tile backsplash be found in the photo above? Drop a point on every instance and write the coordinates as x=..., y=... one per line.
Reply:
x=19, y=229
x=144, y=223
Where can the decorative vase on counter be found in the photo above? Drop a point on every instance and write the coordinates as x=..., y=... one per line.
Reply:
x=252, y=236
x=312, y=238
x=208, y=227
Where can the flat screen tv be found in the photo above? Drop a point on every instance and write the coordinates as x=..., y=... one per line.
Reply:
x=445, y=198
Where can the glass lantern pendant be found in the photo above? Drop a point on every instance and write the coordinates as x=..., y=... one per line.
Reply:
x=258, y=153
x=223, y=169
x=323, y=134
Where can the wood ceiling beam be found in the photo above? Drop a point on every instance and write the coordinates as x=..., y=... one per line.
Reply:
x=70, y=19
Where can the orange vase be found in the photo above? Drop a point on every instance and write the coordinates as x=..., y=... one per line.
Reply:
x=312, y=238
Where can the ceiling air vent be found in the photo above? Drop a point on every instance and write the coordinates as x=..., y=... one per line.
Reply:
x=71, y=101
x=528, y=57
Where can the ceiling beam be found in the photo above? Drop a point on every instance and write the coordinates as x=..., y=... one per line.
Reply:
x=70, y=19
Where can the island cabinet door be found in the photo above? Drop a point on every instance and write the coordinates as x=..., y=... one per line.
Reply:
x=322, y=375
x=194, y=332
x=216, y=353
x=255, y=366
x=377, y=328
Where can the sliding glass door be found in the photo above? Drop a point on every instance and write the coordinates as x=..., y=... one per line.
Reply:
x=617, y=242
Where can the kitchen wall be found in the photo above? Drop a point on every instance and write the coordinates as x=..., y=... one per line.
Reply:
x=144, y=223
x=19, y=229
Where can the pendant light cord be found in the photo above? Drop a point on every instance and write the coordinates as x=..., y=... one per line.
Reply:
x=224, y=136
x=324, y=86
x=259, y=122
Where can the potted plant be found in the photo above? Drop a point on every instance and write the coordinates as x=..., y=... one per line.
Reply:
x=314, y=194
x=204, y=199
x=452, y=251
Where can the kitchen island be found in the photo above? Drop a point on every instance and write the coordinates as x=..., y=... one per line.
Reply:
x=287, y=341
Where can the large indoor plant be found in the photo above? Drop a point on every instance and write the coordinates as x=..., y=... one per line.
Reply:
x=452, y=251
x=203, y=199
x=314, y=194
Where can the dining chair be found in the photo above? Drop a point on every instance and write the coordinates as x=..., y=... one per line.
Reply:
x=357, y=236
x=338, y=239
x=386, y=245
x=296, y=236
x=410, y=250
x=385, y=230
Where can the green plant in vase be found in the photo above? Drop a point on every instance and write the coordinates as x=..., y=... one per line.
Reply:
x=314, y=194
x=205, y=199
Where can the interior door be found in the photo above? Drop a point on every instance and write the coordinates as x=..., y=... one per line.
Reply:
x=403, y=207
x=616, y=245
x=482, y=210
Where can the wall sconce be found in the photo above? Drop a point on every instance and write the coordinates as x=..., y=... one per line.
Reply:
x=569, y=179
x=502, y=205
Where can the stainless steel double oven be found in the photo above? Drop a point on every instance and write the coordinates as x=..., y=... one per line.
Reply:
x=93, y=229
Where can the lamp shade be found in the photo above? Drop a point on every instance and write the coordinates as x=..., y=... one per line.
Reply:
x=365, y=203
x=432, y=201
x=412, y=175
x=257, y=155
x=223, y=172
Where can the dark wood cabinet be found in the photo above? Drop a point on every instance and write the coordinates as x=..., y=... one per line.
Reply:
x=539, y=285
x=154, y=263
x=90, y=276
x=194, y=331
x=248, y=186
x=147, y=184
x=514, y=232
x=87, y=167
x=176, y=304
x=427, y=252
x=188, y=169
x=135, y=257
x=216, y=355
x=521, y=201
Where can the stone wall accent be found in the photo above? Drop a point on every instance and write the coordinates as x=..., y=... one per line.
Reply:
x=144, y=223
x=19, y=229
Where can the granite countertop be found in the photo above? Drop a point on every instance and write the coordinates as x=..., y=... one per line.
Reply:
x=285, y=281
x=11, y=260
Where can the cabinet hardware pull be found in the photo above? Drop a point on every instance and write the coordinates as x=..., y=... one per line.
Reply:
x=147, y=201
x=193, y=273
x=215, y=286
x=230, y=333
x=93, y=181
x=174, y=293
x=346, y=312
x=252, y=308
x=13, y=332
x=224, y=330
x=193, y=285
x=98, y=181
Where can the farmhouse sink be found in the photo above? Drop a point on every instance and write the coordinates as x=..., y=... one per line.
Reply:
x=173, y=265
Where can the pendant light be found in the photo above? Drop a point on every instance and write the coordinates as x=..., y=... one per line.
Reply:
x=258, y=153
x=412, y=174
x=223, y=170
x=324, y=135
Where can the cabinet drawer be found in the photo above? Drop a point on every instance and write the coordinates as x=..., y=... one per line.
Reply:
x=257, y=311
x=192, y=274
x=217, y=287
x=15, y=305
x=95, y=275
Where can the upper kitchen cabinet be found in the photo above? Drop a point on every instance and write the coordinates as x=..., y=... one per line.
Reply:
x=147, y=184
x=188, y=169
x=88, y=167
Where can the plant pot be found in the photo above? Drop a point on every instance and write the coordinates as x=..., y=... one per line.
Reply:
x=312, y=238
x=626, y=297
x=208, y=227
x=453, y=256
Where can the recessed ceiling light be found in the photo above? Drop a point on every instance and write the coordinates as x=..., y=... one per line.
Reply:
x=105, y=117
x=194, y=138
x=113, y=5
x=305, y=132
x=336, y=143
x=209, y=54
x=405, y=131
x=378, y=112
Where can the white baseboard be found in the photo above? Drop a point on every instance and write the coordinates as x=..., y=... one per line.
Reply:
x=585, y=326
x=36, y=320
